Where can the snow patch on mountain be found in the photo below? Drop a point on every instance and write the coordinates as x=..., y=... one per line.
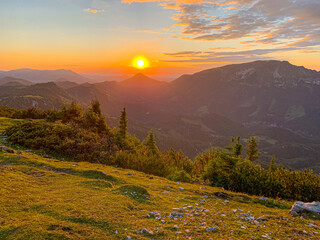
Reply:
x=245, y=72
x=276, y=73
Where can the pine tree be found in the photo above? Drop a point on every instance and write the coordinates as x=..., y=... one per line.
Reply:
x=95, y=106
x=93, y=119
x=123, y=124
x=273, y=165
x=231, y=146
x=72, y=113
x=150, y=143
x=237, y=149
x=252, y=149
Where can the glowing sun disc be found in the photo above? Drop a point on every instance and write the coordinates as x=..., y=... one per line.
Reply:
x=140, y=62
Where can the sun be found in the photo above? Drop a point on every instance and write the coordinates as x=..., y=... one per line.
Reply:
x=140, y=62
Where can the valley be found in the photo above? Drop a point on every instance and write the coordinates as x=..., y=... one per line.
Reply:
x=273, y=100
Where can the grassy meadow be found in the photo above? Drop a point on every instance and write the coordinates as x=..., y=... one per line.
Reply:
x=46, y=198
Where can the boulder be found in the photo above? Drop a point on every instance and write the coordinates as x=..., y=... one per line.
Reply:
x=6, y=149
x=301, y=207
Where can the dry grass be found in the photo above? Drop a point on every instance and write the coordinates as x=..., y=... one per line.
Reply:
x=44, y=198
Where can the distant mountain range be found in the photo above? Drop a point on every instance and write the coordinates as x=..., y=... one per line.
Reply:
x=274, y=100
x=11, y=81
x=43, y=76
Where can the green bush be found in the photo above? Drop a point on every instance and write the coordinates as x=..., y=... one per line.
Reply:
x=85, y=136
x=63, y=140
x=180, y=176
x=242, y=175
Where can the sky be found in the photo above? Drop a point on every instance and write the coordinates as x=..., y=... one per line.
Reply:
x=176, y=36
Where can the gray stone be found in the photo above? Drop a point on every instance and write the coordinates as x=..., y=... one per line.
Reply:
x=300, y=207
x=212, y=229
x=6, y=149
x=144, y=230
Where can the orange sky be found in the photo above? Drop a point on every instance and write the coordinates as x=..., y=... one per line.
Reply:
x=176, y=37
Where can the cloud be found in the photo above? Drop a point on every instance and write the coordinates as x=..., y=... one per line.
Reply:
x=93, y=10
x=183, y=54
x=151, y=32
x=226, y=56
x=284, y=22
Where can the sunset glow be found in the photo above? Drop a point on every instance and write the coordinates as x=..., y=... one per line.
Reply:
x=184, y=36
x=140, y=62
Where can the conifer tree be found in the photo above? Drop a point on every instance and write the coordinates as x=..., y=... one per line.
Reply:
x=237, y=149
x=123, y=124
x=95, y=106
x=72, y=113
x=94, y=119
x=252, y=149
x=273, y=165
x=231, y=146
x=150, y=143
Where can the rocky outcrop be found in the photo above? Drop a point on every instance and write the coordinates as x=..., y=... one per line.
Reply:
x=301, y=207
x=6, y=149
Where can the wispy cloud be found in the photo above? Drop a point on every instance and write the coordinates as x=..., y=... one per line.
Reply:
x=291, y=22
x=93, y=10
x=151, y=32
x=223, y=56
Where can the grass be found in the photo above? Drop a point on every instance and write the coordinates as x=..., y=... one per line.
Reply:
x=45, y=198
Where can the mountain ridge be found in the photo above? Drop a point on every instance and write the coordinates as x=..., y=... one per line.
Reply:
x=206, y=108
x=42, y=76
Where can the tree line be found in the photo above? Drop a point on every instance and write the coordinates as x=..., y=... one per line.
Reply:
x=84, y=135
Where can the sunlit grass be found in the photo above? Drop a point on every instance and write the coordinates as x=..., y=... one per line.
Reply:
x=45, y=198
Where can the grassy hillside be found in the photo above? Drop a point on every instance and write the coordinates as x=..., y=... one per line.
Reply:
x=46, y=198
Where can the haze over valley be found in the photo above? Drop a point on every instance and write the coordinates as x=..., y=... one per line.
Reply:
x=273, y=100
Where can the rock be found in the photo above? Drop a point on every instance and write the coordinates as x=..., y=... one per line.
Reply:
x=311, y=225
x=266, y=236
x=154, y=214
x=300, y=207
x=144, y=230
x=128, y=237
x=263, y=199
x=6, y=149
x=175, y=214
x=163, y=221
x=213, y=229
x=129, y=173
x=181, y=188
